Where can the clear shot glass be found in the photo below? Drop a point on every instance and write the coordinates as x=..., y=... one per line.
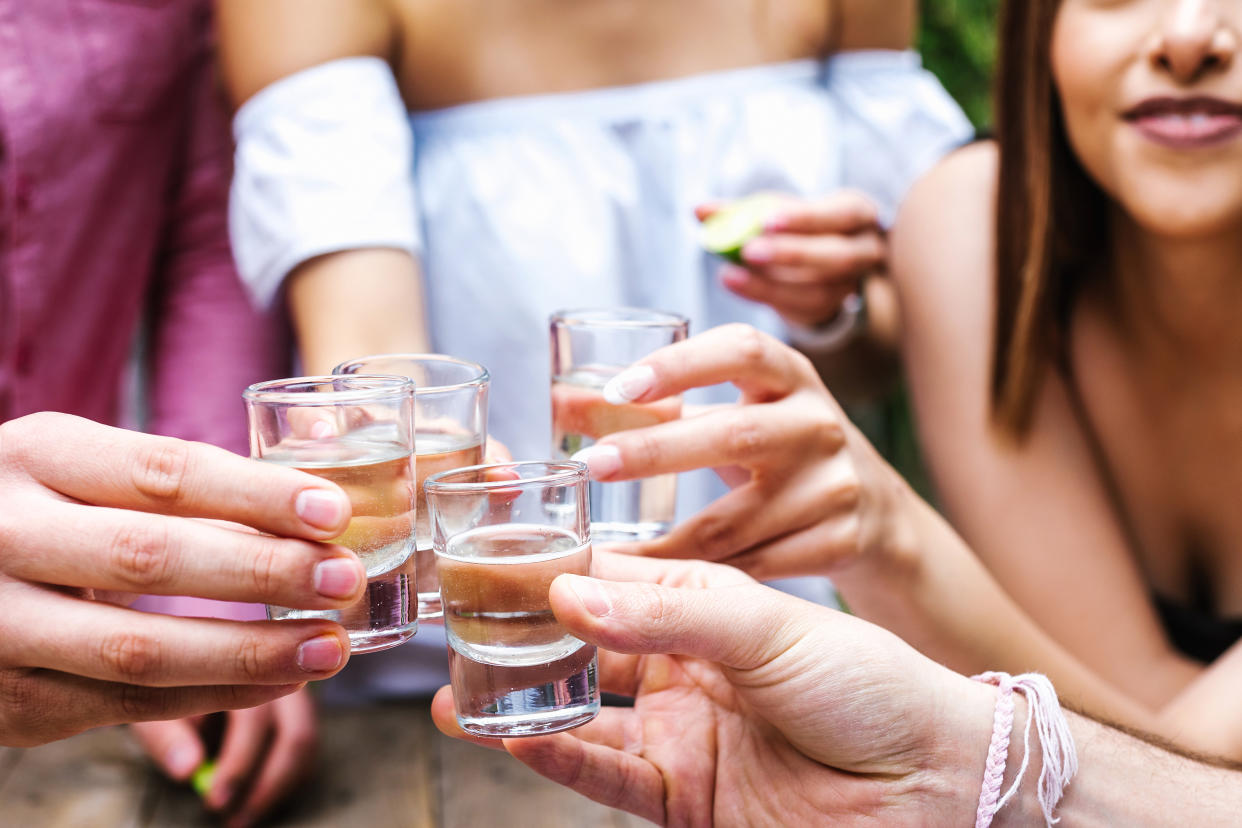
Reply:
x=502, y=533
x=590, y=347
x=358, y=432
x=450, y=432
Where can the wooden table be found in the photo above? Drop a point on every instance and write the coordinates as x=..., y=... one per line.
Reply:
x=379, y=766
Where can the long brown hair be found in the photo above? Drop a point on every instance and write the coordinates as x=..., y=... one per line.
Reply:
x=1051, y=219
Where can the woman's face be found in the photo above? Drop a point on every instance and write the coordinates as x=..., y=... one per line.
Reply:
x=1151, y=92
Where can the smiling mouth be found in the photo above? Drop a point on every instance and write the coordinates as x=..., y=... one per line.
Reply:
x=1187, y=123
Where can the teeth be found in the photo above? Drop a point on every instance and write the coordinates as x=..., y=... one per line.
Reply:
x=1198, y=119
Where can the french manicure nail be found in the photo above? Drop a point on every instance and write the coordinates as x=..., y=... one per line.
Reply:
x=320, y=654
x=601, y=461
x=321, y=509
x=336, y=578
x=592, y=595
x=629, y=385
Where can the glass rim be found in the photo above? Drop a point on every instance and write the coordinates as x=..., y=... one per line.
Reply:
x=563, y=471
x=483, y=377
x=372, y=387
x=621, y=317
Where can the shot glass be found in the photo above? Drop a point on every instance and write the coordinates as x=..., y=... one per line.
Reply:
x=502, y=533
x=450, y=403
x=358, y=432
x=590, y=347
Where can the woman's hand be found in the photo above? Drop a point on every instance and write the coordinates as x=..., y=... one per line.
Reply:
x=809, y=492
x=266, y=751
x=755, y=708
x=812, y=255
x=88, y=511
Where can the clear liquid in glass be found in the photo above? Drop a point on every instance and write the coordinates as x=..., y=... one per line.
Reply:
x=626, y=511
x=379, y=480
x=437, y=452
x=516, y=671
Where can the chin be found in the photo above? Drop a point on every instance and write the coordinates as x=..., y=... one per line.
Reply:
x=1185, y=213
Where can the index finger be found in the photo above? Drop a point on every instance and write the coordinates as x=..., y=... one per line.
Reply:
x=845, y=211
x=762, y=367
x=106, y=466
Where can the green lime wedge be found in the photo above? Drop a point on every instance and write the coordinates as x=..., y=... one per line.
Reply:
x=202, y=778
x=726, y=232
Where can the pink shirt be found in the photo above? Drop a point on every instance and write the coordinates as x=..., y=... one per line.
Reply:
x=114, y=168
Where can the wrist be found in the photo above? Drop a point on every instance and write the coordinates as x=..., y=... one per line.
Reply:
x=960, y=733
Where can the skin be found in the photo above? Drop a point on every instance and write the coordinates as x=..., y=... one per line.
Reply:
x=446, y=52
x=92, y=515
x=1154, y=347
x=756, y=708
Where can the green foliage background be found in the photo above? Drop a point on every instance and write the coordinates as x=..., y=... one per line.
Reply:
x=958, y=42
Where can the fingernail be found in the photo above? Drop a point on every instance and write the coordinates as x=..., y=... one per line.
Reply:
x=758, y=251
x=591, y=594
x=336, y=578
x=774, y=224
x=320, y=654
x=601, y=461
x=181, y=759
x=629, y=385
x=221, y=796
x=321, y=509
x=732, y=275
x=320, y=430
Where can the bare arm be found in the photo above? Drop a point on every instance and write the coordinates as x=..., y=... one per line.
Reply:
x=354, y=302
x=1037, y=514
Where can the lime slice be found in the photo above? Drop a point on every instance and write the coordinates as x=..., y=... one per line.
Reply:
x=202, y=778
x=726, y=232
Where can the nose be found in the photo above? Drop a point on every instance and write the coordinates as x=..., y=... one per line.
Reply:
x=1193, y=39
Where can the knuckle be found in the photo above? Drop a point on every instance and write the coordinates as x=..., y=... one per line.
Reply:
x=160, y=470
x=249, y=660
x=747, y=439
x=142, y=704
x=141, y=556
x=132, y=658
x=265, y=569
x=750, y=345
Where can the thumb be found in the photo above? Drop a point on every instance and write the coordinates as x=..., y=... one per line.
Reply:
x=741, y=627
x=175, y=746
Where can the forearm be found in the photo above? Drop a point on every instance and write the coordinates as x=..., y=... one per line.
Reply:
x=929, y=588
x=356, y=303
x=1124, y=780
x=1206, y=713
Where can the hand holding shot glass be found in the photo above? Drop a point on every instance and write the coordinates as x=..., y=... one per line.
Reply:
x=502, y=534
x=450, y=400
x=589, y=348
x=358, y=432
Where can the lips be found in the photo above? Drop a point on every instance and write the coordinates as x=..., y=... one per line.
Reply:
x=1187, y=123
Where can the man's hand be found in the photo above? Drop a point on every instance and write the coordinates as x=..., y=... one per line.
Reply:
x=755, y=708
x=88, y=509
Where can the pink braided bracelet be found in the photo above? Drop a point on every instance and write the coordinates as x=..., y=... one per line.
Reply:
x=1060, y=760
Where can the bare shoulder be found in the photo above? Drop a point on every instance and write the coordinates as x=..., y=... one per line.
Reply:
x=262, y=41
x=943, y=241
